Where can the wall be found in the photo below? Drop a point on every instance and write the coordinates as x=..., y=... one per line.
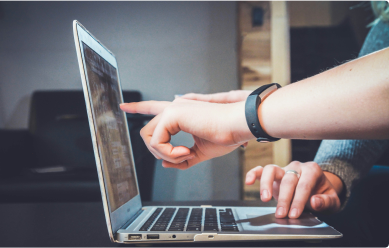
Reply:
x=163, y=49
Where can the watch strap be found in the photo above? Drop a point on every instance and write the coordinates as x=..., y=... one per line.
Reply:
x=251, y=111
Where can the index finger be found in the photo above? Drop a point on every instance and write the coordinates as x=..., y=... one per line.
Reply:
x=145, y=107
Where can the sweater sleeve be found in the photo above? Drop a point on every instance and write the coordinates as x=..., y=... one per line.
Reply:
x=350, y=160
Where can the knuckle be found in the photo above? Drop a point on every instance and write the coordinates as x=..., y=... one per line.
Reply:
x=179, y=99
x=169, y=110
x=269, y=167
x=314, y=166
x=314, y=169
x=154, y=144
x=142, y=133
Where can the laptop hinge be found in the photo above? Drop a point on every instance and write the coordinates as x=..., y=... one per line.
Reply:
x=132, y=219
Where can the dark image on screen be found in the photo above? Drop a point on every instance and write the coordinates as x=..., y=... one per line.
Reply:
x=111, y=134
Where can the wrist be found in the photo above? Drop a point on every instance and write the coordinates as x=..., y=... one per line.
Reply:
x=238, y=124
x=335, y=181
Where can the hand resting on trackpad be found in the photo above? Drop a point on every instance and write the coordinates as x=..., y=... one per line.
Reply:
x=305, y=219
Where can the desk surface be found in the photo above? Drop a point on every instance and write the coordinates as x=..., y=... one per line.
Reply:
x=81, y=224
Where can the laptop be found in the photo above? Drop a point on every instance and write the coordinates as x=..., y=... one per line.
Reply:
x=130, y=222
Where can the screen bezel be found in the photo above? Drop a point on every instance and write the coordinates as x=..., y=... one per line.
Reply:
x=116, y=219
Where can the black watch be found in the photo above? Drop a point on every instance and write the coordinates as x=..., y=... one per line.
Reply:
x=251, y=110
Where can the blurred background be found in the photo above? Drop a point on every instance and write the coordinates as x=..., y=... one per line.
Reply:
x=163, y=49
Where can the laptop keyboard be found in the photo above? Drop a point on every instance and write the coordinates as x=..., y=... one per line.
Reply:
x=172, y=219
x=163, y=220
x=151, y=220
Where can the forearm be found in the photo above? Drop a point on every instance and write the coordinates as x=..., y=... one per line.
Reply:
x=347, y=102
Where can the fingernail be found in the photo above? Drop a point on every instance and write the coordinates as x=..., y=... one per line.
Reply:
x=280, y=211
x=294, y=212
x=318, y=202
x=265, y=194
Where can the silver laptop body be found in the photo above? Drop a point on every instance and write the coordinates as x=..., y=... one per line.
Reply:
x=129, y=222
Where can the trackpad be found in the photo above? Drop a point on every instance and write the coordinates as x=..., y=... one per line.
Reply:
x=263, y=219
x=304, y=220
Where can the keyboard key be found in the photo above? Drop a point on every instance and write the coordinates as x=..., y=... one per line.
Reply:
x=227, y=221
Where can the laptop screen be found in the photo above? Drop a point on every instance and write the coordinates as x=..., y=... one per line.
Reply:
x=112, y=137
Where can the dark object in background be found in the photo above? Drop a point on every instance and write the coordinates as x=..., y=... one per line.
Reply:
x=53, y=161
x=257, y=16
x=314, y=50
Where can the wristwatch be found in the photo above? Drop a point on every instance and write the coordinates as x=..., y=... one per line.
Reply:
x=251, y=111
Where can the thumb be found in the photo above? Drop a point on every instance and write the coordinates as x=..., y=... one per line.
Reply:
x=325, y=203
x=198, y=157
